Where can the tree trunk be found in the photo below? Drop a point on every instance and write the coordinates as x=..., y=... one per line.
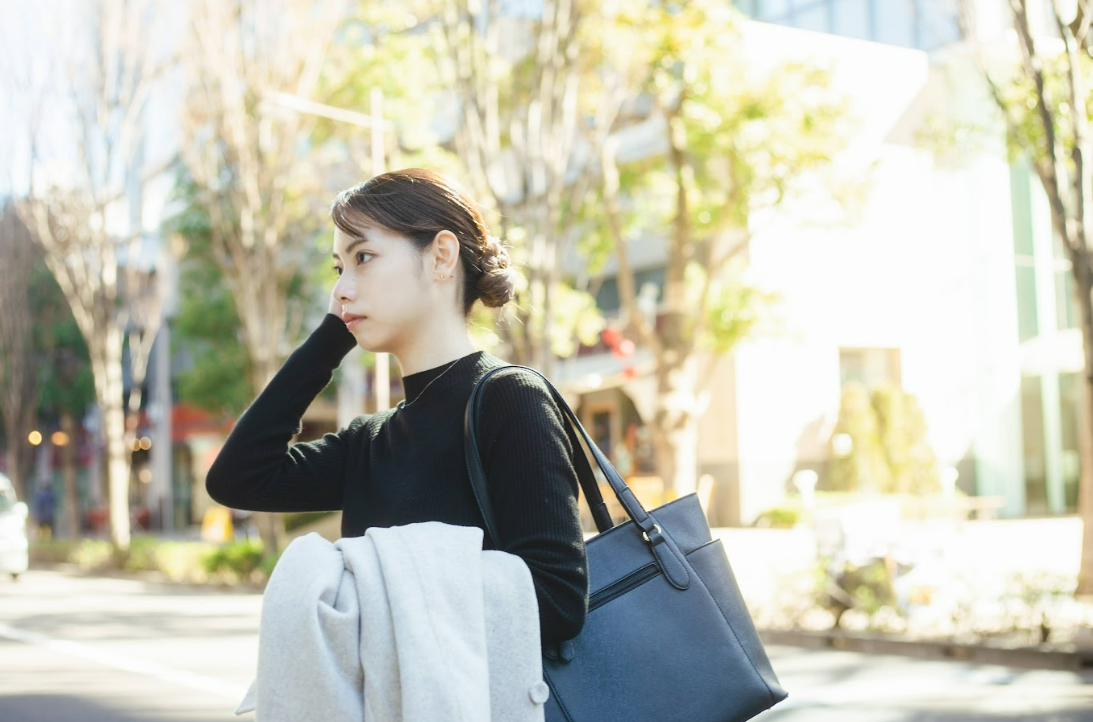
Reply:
x=19, y=451
x=1083, y=275
x=271, y=525
x=109, y=390
x=71, y=524
x=675, y=424
x=676, y=457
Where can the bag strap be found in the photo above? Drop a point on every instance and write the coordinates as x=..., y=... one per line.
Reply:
x=587, y=479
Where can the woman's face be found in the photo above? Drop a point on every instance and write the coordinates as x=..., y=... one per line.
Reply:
x=381, y=286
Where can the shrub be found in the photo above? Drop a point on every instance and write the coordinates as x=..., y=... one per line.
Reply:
x=779, y=517
x=93, y=554
x=239, y=559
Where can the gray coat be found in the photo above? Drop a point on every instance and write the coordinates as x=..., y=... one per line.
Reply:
x=412, y=623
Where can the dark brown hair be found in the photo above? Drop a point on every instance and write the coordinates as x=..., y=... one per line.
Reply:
x=419, y=203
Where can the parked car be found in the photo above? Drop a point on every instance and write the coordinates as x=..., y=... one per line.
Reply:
x=13, y=530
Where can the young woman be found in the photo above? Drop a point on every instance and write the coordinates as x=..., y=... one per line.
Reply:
x=413, y=255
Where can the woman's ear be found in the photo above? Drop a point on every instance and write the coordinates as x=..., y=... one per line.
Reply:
x=445, y=256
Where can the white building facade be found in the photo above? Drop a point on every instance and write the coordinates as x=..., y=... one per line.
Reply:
x=944, y=278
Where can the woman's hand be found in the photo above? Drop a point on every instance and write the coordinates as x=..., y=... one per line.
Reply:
x=335, y=306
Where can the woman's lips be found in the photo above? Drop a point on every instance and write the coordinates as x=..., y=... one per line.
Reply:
x=351, y=321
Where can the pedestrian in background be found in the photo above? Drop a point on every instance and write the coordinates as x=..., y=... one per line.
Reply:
x=43, y=507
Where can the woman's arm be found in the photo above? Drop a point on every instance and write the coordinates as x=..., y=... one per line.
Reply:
x=528, y=460
x=257, y=469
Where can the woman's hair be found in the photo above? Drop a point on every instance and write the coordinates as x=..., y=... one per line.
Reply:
x=419, y=203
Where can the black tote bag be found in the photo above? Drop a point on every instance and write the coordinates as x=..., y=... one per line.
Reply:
x=667, y=637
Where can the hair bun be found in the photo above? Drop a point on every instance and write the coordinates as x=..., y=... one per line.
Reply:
x=497, y=285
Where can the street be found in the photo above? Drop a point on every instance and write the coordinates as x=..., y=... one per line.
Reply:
x=121, y=650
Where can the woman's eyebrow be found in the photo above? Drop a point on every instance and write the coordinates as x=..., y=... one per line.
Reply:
x=350, y=247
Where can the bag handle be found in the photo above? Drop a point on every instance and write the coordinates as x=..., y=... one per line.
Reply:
x=642, y=519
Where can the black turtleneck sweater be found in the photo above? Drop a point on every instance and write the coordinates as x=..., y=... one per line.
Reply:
x=401, y=466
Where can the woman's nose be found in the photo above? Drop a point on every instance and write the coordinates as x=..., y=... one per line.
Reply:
x=344, y=290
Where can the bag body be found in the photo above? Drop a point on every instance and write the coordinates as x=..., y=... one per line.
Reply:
x=668, y=635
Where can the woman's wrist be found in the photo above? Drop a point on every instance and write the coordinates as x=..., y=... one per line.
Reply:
x=331, y=340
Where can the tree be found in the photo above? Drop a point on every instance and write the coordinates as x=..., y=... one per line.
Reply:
x=857, y=460
x=1044, y=97
x=732, y=145
x=252, y=162
x=518, y=77
x=65, y=382
x=217, y=377
x=879, y=444
x=73, y=214
x=901, y=428
x=19, y=388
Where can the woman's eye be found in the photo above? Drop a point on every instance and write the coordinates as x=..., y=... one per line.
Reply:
x=362, y=253
x=337, y=270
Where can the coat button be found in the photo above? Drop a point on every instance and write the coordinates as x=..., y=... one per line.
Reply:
x=539, y=692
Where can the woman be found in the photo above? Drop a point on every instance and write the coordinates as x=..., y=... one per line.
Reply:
x=413, y=255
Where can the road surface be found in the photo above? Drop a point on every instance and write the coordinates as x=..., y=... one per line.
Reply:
x=94, y=649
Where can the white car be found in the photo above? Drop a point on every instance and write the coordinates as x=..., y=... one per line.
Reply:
x=13, y=531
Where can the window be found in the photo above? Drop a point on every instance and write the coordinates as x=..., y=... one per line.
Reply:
x=1024, y=262
x=777, y=10
x=1027, y=324
x=852, y=19
x=607, y=297
x=814, y=17
x=1066, y=305
x=922, y=24
x=936, y=23
x=1066, y=302
x=894, y=23
x=872, y=367
x=1032, y=433
x=1070, y=399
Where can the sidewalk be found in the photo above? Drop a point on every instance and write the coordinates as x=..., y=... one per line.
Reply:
x=1032, y=657
x=988, y=591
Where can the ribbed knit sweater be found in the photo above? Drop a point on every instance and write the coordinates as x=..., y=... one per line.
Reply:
x=401, y=466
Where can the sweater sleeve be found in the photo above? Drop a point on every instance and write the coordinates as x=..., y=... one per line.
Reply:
x=528, y=460
x=257, y=469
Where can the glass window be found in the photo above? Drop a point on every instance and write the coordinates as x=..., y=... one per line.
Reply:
x=1027, y=325
x=872, y=367
x=894, y=23
x=607, y=297
x=1021, y=203
x=1032, y=432
x=1066, y=305
x=937, y=23
x=773, y=9
x=1070, y=399
x=815, y=16
x=1067, y=311
x=851, y=18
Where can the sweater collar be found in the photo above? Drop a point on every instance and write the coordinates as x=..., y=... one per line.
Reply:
x=461, y=371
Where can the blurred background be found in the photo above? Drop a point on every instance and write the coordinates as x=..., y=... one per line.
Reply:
x=824, y=263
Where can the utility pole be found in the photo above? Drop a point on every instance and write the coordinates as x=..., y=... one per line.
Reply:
x=351, y=385
x=383, y=360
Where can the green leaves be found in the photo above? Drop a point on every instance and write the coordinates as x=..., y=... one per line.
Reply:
x=741, y=140
x=879, y=444
x=734, y=308
x=1017, y=96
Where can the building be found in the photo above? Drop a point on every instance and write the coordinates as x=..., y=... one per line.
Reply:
x=945, y=280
